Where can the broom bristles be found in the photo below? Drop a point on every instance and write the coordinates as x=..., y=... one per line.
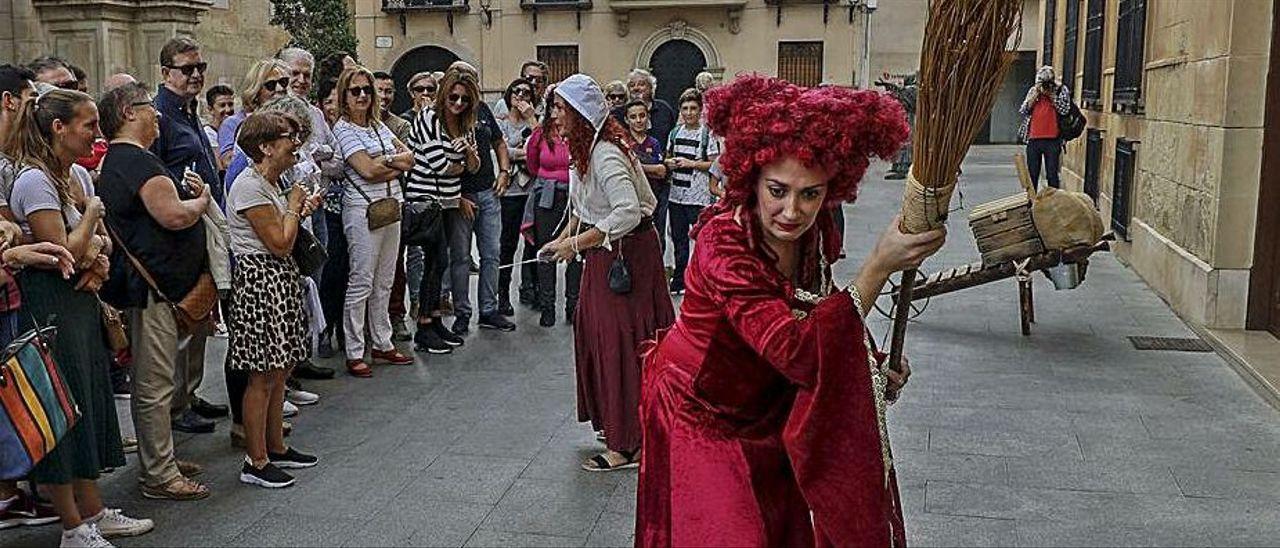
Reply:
x=963, y=63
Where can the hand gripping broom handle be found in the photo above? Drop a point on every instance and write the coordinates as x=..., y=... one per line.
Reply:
x=901, y=313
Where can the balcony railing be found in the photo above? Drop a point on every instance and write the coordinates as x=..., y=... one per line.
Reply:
x=627, y=5
x=392, y=6
x=555, y=4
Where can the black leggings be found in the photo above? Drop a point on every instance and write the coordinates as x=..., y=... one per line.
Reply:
x=546, y=223
x=512, y=217
x=333, y=282
x=435, y=259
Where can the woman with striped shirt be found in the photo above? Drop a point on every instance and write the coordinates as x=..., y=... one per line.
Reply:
x=375, y=160
x=444, y=148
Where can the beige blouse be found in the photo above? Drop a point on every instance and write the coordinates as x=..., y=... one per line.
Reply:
x=614, y=194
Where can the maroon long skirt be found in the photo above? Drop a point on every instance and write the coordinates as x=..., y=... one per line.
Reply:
x=608, y=331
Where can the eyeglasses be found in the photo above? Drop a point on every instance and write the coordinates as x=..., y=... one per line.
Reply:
x=424, y=89
x=292, y=137
x=272, y=85
x=460, y=99
x=617, y=97
x=359, y=91
x=146, y=103
x=187, y=70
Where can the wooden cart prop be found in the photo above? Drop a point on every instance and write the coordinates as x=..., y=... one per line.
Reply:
x=1012, y=246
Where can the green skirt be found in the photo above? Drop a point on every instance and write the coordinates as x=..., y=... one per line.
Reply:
x=80, y=351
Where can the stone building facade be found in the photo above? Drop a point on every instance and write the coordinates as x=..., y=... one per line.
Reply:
x=1176, y=98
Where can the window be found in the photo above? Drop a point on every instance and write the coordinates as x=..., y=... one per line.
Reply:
x=800, y=62
x=1126, y=156
x=1091, y=86
x=561, y=60
x=1070, y=41
x=1130, y=41
x=1092, y=163
x=1050, y=22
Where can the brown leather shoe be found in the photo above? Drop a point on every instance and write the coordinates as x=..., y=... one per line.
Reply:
x=357, y=368
x=393, y=357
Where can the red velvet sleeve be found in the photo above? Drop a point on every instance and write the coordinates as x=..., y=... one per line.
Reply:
x=754, y=301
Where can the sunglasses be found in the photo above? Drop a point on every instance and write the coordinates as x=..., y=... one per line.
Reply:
x=617, y=96
x=362, y=90
x=460, y=99
x=146, y=103
x=297, y=140
x=273, y=85
x=424, y=89
x=188, y=70
x=523, y=92
x=69, y=84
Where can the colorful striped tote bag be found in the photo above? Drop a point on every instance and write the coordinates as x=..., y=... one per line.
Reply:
x=36, y=409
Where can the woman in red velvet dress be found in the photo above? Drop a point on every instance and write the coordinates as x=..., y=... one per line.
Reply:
x=763, y=407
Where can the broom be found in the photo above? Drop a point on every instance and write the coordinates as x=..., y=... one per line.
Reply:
x=962, y=64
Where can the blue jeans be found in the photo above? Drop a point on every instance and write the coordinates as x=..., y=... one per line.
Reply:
x=487, y=227
x=1048, y=151
x=661, y=191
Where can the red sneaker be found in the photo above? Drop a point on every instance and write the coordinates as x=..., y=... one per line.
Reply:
x=393, y=357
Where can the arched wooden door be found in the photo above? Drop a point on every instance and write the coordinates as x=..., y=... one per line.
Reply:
x=420, y=59
x=676, y=64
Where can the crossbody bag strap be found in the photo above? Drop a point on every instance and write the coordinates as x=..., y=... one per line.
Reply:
x=137, y=264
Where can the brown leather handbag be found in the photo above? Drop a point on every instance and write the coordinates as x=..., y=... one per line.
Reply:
x=195, y=309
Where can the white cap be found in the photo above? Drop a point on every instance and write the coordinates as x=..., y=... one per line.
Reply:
x=584, y=95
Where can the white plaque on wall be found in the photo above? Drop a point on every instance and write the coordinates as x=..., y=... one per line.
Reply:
x=382, y=42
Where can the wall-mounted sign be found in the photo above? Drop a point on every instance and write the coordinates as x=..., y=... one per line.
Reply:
x=382, y=42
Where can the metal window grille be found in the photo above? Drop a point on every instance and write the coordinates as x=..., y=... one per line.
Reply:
x=1092, y=163
x=1050, y=23
x=1130, y=41
x=1122, y=189
x=1070, y=44
x=562, y=61
x=1091, y=86
x=800, y=62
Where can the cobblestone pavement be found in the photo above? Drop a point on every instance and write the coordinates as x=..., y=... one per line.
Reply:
x=1066, y=437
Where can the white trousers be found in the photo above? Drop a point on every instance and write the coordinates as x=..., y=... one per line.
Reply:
x=373, y=271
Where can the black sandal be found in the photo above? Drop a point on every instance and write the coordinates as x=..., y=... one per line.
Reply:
x=600, y=463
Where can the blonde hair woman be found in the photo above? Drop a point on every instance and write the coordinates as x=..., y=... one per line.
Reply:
x=266, y=79
x=375, y=161
x=616, y=93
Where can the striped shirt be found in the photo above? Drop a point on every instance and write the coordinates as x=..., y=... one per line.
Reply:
x=375, y=141
x=432, y=153
x=692, y=186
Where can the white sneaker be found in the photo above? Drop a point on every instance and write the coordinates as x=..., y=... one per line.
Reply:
x=84, y=536
x=290, y=409
x=112, y=523
x=301, y=397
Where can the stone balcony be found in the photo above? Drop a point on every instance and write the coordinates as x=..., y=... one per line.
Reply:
x=630, y=5
x=400, y=6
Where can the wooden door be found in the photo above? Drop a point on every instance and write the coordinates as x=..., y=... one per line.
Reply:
x=1264, y=279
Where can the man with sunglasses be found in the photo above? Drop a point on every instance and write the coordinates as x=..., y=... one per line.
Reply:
x=53, y=71
x=182, y=146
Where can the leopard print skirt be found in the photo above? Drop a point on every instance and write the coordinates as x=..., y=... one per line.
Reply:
x=267, y=322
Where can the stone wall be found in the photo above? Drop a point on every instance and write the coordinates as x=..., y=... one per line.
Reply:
x=236, y=35
x=1196, y=180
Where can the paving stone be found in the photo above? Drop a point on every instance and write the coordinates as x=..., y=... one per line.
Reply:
x=1214, y=482
x=466, y=478
x=613, y=530
x=280, y=528
x=1110, y=477
x=411, y=520
x=490, y=538
x=927, y=529
x=1088, y=534
x=1002, y=502
x=568, y=507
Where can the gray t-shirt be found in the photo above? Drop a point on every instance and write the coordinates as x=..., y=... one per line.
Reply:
x=250, y=190
x=33, y=191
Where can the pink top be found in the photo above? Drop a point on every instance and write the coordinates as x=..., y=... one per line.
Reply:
x=544, y=162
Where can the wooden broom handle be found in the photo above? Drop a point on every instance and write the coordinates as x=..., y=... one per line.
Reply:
x=901, y=314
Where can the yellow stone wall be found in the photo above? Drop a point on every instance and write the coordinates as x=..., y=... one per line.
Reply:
x=236, y=36
x=1196, y=180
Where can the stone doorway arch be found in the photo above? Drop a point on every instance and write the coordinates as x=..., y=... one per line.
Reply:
x=670, y=53
x=419, y=59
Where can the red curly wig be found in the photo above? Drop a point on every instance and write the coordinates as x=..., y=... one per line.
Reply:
x=764, y=120
x=582, y=137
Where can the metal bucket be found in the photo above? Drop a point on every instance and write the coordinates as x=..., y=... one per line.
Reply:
x=1064, y=275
